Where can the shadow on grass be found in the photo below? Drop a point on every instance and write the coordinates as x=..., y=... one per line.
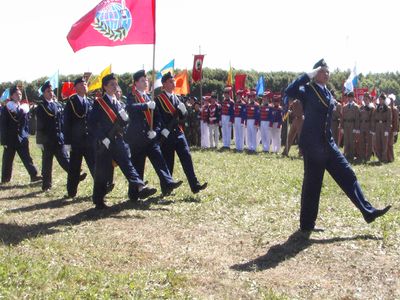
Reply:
x=19, y=186
x=296, y=243
x=52, y=204
x=12, y=234
x=17, y=197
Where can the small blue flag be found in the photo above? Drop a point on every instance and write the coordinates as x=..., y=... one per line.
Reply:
x=260, y=86
x=5, y=95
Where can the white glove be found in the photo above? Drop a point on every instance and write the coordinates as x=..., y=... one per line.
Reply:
x=106, y=142
x=313, y=73
x=40, y=146
x=151, y=105
x=12, y=106
x=182, y=108
x=386, y=133
x=395, y=133
x=67, y=148
x=25, y=108
x=371, y=132
x=151, y=134
x=165, y=132
x=341, y=130
x=124, y=115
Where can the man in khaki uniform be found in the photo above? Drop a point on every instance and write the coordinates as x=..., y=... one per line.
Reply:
x=337, y=116
x=296, y=114
x=382, y=117
x=395, y=127
x=365, y=146
x=351, y=123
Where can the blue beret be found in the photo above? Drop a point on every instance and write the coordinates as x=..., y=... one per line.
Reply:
x=320, y=63
x=45, y=86
x=108, y=78
x=166, y=77
x=79, y=80
x=139, y=74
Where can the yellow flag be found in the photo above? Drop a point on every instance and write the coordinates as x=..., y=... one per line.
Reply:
x=229, y=81
x=182, y=83
x=95, y=84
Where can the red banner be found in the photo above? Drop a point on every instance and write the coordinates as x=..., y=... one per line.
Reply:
x=197, y=72
x=359, y=94
x=240, y=82
x=115, y=23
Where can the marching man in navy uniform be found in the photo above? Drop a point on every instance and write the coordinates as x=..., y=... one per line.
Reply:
x=76, y=135
x=143, y=134
x=15, y=136
x=172, y=111
x=49, y=136
x=106, y=122
x=227, y=118
x=320, y=151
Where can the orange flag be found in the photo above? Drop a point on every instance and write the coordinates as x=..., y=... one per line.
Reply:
x=182, y=83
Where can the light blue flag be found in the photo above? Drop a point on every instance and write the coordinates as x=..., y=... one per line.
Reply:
x=53, y=81
x=352, y=81
x=5, y=95
x=167, y=68
x=260, y=86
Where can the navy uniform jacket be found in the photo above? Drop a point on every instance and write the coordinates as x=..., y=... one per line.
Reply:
x=167, y=119
x=138, y=127
x=49, y=120
x=99, y=123
x=14, y=127
x=316, y=129
x=76, y=114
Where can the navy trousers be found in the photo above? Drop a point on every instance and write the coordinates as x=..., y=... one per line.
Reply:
x=8, y=159
x=119, y=152
x=179, y=145
x=51, y=150
x=76, y=156
x=153, y=152
x=316, y=161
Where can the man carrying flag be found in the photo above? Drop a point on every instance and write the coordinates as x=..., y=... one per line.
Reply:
x=143, y=134
x=172, y=112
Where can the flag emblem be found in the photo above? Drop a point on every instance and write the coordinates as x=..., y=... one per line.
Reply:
x=113, y=20
x=198, y=64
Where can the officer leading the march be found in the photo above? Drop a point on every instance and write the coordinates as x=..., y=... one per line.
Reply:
x=172, y=111
x=320, y=151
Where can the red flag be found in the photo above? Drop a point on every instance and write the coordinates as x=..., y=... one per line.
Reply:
x=197, y=67
x=115, y=23
x=373, y=93
x=240, y=81
x=67, y=90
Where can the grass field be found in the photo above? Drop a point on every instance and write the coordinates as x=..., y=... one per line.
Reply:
x=235, y=240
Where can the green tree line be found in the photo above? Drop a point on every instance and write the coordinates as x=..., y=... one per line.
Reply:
x=215, y=80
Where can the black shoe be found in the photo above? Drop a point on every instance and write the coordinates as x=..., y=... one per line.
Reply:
x=146, y=192
x=199, y=187
x=46, y=188
x=376, y=214
x=101, y=206
x=110, y=187
x=82, y=177
x=171, y=187
x=71, y=195
x=36, y=178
